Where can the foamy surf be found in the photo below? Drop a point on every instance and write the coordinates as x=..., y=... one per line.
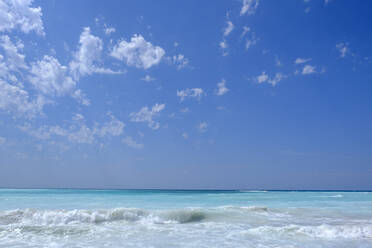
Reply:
x=184, y=219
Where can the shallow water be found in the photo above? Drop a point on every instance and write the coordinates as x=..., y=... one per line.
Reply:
x=166, y=218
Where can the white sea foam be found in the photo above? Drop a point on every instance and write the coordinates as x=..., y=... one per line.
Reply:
x=330, y=196
x=67, y=217
x=185, y=219
x=71, y=217
x=323, y=231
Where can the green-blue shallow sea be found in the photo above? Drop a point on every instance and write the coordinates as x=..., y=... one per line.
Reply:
x=176, y=218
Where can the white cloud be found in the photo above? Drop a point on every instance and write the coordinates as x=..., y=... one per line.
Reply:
x=308, y=69
x=112, y=128
x=343, y=49
x=131, y=143
x=229, y=28
x=15, y=99
x=14, y=59
x=185, y=110
x=2, y=140
x=180, y=61
x=249, y=7
x=273, y=81
x=190, y=93
x=277, y=61
x=301, y=60
x=202, y=127
x=251, y=41
x=221, y=88
x=109, y=30
x=51, y=78
x=19, y=14
x=78, y=132
x=88, y=54
x=277, y=78
x=246, y=29
x=223, y=45
x=185, y=135
x=147, y=115
x=138, y=52
x=148, y=78
x=262, y=78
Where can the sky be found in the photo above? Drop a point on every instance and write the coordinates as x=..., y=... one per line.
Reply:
x=230, y=94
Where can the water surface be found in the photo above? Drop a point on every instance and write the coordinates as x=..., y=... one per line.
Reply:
x=176, y=218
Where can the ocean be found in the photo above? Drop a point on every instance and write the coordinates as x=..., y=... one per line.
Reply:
x=182, y=218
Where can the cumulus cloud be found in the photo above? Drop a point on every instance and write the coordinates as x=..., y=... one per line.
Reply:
x=2, y=140
x=221, y=88
x=190, y=93
x=88, y=54
x=131, y=143
x=308, y=69
x=202, y=127
x=51, y=78
x=138, y=52
x=301, y=60
x=264, y=78
x=147, y=115
x=15, y=60
x=14, y=99
x=249, y=7
x=19, y=14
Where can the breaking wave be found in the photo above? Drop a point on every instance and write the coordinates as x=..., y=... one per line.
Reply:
x=66, y=217
x=323, y=231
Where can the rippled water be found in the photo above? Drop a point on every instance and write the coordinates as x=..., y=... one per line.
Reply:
x=148, y=218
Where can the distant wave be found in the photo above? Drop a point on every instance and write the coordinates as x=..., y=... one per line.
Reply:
x=253, y=191
x=330, y=196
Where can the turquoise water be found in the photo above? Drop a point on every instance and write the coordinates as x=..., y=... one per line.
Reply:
x=167, y=218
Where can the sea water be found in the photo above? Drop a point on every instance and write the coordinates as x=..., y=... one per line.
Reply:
x=167, y=218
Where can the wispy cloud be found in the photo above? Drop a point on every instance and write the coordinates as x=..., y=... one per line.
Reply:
x=249, y=7
x=190, y=93
x=228, y=29
x=343, y=48
x=146, y=115
x=302, y=60
x=221, y=88
x=264, y=78
x=131, y=143
x=202, y=127
x=308, y=69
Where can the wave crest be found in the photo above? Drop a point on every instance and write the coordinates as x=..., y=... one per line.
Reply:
x=71, y=217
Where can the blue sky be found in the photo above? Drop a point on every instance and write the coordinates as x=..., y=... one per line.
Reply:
x=186, y=94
